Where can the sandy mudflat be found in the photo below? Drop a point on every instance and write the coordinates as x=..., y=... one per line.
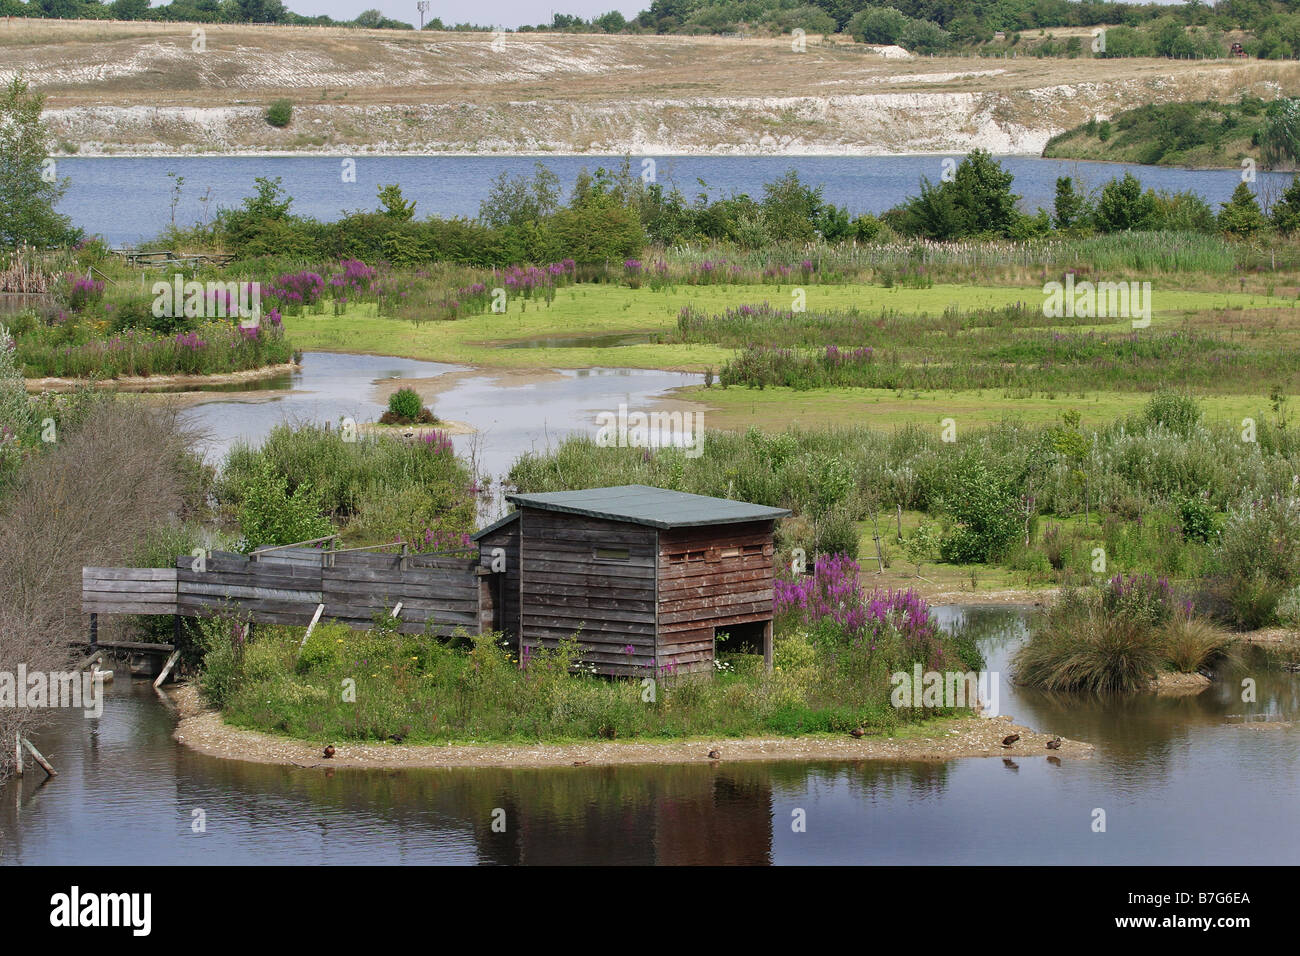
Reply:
x=202, y=730
x=415, y=431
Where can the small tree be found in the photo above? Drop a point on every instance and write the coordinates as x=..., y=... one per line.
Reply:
x=270, y=515
x=395, y=206
x=876, y=25
x=1240, y=215
x=1123, y=205
x=1070, y=207
x=1286, y=211
x=28, y=188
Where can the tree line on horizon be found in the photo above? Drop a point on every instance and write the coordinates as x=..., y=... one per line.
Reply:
x=1268, y=29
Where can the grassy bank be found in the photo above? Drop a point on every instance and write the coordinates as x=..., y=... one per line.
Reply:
x=1204, y=133
x=832, y=675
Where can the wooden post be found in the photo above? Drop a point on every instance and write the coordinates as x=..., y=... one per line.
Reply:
x=397, y=610
x=18, y=753
x=94, y=629
x=900, y=523
x=880, y=557
x=314, y=618
x=36, y=755
x=167, y=669
x=767, y=646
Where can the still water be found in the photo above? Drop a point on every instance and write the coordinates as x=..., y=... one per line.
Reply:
x=509, y=418
x=1181, y=780
x=128, y=200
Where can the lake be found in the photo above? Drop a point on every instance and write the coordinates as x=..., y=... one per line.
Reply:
x=1182, y=781
x=128, y=200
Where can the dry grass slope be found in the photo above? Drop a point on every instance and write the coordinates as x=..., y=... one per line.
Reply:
x=134, y=87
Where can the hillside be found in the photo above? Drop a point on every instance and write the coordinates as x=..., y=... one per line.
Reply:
x=141, y=88
x=1173, y=134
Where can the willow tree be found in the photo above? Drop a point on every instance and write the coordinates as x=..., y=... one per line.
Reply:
x=1279, y=142
x=29, y=188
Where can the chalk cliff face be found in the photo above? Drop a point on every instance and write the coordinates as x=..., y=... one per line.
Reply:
x=168, y=88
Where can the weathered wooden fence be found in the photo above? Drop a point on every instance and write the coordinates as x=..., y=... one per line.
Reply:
x=285, y=586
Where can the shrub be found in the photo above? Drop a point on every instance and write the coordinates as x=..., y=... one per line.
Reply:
x=270, y=515
x=1147, y=600
x=984, y=505
x=1260, y=541
x=1288, y=608
x=1253, y=600
x=1176, y=411
x=279, y=113
x=1197, y=518
x=405, y=405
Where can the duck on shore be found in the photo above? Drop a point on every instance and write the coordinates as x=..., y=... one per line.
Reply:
x=1010, y=740
x=1054, y=743
x=329, y=751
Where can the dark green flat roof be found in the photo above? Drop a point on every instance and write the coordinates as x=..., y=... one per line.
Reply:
x=656, y=507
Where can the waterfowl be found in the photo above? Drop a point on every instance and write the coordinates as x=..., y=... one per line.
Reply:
x=1008, y=741
x=329, y=751
x=857, y=732
x=1054, y=743
x=582, y=763
x=715, y=754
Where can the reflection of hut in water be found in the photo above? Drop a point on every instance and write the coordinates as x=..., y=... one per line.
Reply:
x=628, y=815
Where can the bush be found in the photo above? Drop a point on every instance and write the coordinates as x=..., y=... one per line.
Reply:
x=362, y=484
x=405, y=405
x=1197, y=518
x=270, y=515
x=1253, y=600
x=1288, y=608
x=1176, y=411
x=984, y=506
x=280, y=113
x=1144, y=599
x=1260, y=542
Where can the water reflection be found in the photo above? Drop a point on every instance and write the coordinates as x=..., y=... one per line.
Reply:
x=1170, y=772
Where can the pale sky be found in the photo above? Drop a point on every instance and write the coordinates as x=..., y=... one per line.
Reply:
x=500, y=13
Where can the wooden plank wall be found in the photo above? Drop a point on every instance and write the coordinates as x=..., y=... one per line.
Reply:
x=283, y=587
x=506, y=538
x=442, y=590
x=705, y=590
x=128, y=590
x=565, y=588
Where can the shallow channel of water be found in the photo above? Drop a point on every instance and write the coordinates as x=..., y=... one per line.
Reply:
x=509, y=416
